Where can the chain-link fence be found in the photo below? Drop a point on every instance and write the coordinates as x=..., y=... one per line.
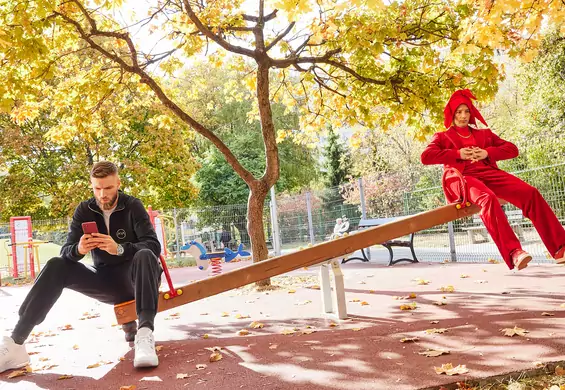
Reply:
x=312, y=216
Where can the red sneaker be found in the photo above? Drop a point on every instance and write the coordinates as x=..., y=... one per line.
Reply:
x=521, y=258
x=560, y=255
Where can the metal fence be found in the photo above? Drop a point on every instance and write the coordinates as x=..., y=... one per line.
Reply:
x=310, y=217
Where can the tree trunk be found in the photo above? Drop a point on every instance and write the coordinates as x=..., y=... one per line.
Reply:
x=255, y=227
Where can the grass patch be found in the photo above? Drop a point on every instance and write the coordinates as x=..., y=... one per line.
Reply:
x=550, y=376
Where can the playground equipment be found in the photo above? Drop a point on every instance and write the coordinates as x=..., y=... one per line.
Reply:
x=31, y=247
x=23, y=249
x=155, y=218
x=320, y=253
x=214, y=259
x=157, y=222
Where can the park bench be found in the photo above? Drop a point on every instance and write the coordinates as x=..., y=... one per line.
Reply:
x=515, y=217
x=399, y=242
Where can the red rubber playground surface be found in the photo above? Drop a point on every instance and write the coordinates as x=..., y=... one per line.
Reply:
x=299, y=348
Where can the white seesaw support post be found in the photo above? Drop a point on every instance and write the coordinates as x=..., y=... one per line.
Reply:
x=337, y=299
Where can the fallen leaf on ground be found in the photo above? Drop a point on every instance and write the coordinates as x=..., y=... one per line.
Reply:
x=493, y=261
x=421, y=281
x=433, y=353
x=355, y=300
x=182, y=376
x=411, y=306
x=364, y=303
x=32, y=353
x=411, y=296
x=463, y=276
x=241, y=316
x=159, y=348
x=440, y=303
x=514, y=331
x=75, y=347
x=372, y=291
x=63, y=377
x=356, y=329
x=201, y=366
x=243, y=332
x=287, y=332
x=131, y=387
x=47, y=367
x=88, y=316
x=67, y=327
x=333, y=325
x=151, y=379
x=18, y=373
x=205, y=336
x=559, y=371
x=94, y=365
x=436, y=330
x=448, y=289
x=314, y=287
x=545, y=314
x=448, y=369
x=256, y=325
x=291, y=291
x=216, y=356
x=224, y=314
x=43, y=359
x=409, y=339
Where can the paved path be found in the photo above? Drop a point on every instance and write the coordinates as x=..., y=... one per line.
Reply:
x=363, y=352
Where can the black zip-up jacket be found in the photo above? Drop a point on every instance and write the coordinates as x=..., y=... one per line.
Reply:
x=130, y=227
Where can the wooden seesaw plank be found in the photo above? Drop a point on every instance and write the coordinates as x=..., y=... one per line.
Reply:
x=125, y=312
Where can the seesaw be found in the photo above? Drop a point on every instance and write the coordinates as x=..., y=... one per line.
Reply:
x=327, y=252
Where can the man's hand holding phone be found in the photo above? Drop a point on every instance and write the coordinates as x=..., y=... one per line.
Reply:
x=91, y=239
x=105, y=242
x=86, y=243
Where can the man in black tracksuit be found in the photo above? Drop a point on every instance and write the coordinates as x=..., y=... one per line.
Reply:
x=125, y=253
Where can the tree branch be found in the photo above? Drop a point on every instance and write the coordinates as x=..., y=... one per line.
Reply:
x=208, y=33
x=268, y=18
x=161, y=95
x=279, y=37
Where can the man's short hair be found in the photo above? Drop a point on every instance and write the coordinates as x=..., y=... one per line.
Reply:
x=103, y=169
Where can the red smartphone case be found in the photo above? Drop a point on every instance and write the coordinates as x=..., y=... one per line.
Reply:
x=89, y=227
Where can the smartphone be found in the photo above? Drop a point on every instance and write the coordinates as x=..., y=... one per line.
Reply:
x=89, y=227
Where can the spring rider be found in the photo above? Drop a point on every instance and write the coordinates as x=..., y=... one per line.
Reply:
x=214, y=259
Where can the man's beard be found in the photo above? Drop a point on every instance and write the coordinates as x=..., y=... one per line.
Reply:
x=108, y=205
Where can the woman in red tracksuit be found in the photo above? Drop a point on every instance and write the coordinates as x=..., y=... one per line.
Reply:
x=474, y=153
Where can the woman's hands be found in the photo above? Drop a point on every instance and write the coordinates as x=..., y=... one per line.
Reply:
x=473, y=154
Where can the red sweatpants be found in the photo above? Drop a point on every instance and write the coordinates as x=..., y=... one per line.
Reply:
x=486, y=184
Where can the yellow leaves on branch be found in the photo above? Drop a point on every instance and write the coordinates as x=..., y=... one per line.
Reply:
x=514, y=25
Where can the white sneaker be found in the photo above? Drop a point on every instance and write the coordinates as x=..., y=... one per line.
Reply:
x=145, y=355
x=12, y=355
